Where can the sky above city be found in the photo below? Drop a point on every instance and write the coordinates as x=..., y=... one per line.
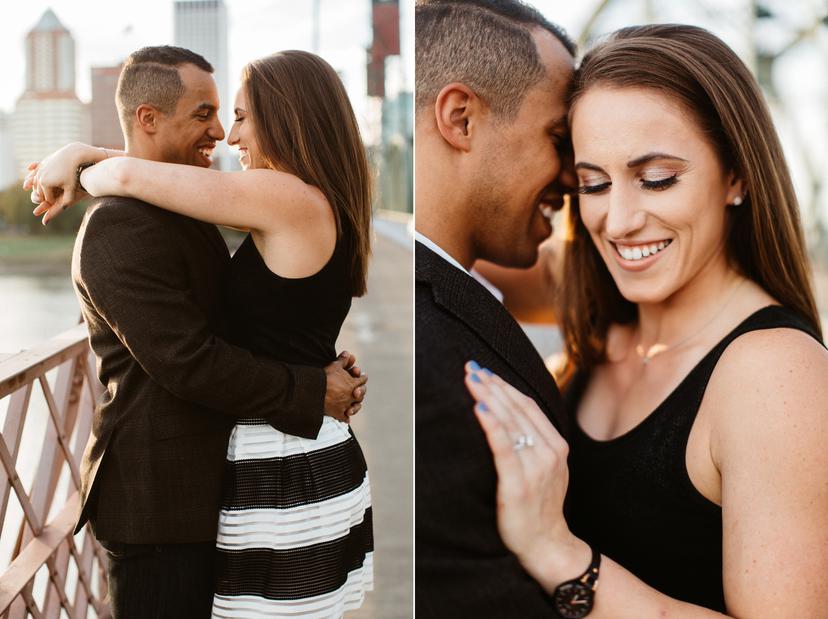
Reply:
x=106, y=31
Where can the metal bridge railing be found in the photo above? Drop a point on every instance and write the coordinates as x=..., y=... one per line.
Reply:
x=49, y=393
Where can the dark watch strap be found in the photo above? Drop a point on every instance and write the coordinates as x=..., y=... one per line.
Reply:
x=81, y=168
x=574, y=598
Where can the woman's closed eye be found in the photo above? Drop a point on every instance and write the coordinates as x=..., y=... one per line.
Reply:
x=654, y=184
x=593, y=187
x=659, y=184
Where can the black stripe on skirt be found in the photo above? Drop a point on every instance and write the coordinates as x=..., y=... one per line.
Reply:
x=300, y=479
x=298, y=572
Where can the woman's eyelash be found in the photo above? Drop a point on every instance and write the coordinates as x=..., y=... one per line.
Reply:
x=587, y=189
x=660, y=184
x=657, y=185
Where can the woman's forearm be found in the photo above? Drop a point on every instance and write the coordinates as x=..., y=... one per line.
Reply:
x=86, y=153
x=109, y=177
x=618, y=595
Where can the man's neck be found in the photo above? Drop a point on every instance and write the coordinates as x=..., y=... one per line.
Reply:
x=441, y=204
x=142, y=151
x=452, y=241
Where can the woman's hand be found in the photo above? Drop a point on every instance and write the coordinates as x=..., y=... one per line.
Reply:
x=531, y=461
x=53, y=181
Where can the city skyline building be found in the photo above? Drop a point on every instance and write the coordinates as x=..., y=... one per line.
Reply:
x=105, y=124
x=201, y=26
x=8, y=172
x=50, y=57
x=48, y=114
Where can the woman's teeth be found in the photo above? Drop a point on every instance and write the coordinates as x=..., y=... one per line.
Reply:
x=206, y=152
x=638, y=252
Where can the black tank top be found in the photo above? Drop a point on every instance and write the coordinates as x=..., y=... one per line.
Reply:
x=292, y=320
x=632, y=496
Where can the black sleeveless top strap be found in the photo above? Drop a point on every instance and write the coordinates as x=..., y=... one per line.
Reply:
x=292, y=320
x=632, y=496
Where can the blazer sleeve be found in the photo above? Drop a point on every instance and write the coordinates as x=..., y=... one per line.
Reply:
x=133, y=270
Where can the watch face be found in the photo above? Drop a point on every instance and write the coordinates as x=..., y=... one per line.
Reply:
x=573, y=599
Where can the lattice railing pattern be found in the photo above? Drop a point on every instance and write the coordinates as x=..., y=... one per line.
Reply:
x=49, y=393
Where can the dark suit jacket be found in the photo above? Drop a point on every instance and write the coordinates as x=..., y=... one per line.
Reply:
x=463, y=569
x=150, y=287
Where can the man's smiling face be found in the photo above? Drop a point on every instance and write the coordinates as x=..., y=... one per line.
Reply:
x=520, y=163
x=189, y=135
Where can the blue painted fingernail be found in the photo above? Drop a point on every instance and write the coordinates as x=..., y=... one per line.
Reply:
x=475, y=378
x=481, y=407
x=488, y=372
x=474, y=366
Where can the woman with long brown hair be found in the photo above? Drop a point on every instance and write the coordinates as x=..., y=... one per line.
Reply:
x=696, y=375
x=295, y=530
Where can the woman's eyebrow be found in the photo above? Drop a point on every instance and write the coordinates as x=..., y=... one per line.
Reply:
x=634, y=163
x=583, y=165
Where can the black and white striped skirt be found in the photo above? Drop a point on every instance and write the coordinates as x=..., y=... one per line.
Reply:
x=295, y=536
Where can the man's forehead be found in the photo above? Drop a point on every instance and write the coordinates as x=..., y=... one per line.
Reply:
x=556, y=59
x=195, y=79
x=547, y=100
x=199, y=88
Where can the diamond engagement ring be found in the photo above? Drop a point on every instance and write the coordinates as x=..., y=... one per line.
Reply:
x=523, y=441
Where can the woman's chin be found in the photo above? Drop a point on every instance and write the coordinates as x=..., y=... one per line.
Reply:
x=643, y=295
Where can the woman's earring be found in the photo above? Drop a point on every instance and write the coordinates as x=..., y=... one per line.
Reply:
x=737, y=201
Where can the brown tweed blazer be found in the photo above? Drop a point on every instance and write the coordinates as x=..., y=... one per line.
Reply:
x=463, y=568
x=150, y=288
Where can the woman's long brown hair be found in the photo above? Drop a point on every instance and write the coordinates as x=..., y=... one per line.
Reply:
x=765, y=241
x=305, y=126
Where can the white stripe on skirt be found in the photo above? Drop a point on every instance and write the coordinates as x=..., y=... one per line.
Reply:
x=300, y=526
x=251, y=442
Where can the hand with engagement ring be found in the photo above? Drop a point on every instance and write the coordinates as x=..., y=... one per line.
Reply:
x=523, y=441
x=532, y=472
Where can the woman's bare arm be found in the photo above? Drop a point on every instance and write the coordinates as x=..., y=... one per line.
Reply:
x=260, y=200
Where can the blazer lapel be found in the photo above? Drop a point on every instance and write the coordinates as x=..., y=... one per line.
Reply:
x=471, y=303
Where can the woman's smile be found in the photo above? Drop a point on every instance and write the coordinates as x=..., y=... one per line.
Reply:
x=637, y=256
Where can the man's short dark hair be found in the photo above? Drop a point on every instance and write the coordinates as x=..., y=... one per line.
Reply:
x=150, y=76
x=485, y=44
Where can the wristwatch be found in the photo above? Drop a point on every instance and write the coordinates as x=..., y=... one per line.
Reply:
x=78, y=172
x=573, y=599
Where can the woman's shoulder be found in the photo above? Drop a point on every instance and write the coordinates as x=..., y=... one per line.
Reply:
x=299, y=202
x=770, y=382
x=783, y=351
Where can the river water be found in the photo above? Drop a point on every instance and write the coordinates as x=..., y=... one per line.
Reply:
x=35, y=307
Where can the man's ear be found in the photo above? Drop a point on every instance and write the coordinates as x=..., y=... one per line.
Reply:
x=146, y=118
x=455, y=111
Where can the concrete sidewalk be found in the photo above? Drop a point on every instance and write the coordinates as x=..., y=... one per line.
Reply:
x=379, y=330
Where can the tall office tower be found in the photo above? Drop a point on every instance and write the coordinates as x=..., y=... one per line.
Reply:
x=385, y=19
x=48, y=114
x=106, y=128
x=201, y=26
x=8, y=171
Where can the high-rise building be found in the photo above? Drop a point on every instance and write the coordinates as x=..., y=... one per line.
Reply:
x=48, y=114
x=50, y=57
x=201, y=26
x=105, y=126
x=8, y=171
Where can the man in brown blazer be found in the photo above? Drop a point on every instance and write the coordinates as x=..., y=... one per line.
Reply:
x=150, y=282
x=492, y=77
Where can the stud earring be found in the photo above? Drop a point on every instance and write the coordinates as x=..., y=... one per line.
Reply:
x=737, y=201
